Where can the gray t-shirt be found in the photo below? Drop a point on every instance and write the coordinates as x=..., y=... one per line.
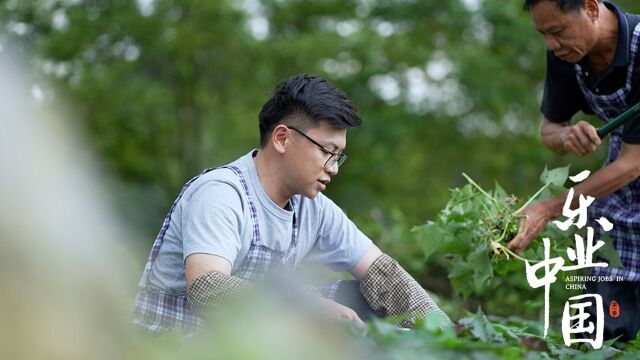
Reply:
x=213, y=217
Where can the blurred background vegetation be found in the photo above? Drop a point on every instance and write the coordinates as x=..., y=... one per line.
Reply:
x=165, y=88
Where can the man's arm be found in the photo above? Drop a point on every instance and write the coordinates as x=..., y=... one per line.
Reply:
x=391, y=291
x=210, y=284
x=365, y=263
x=198, y=264
x=579, y=139
x=602, y=183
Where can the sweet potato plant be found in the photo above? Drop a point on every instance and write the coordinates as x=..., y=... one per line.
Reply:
x=473, y=229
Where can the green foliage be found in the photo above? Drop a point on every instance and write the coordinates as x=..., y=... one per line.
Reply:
x=475, y=226
x=168, y=91
x=475, y=336
x=478, y=337
x=165, y=91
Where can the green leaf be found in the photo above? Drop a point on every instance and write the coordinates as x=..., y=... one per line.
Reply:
x=480, y=262
x=483, y=329
x=557, y=176
x=609, y=253
x=460, y=275
x=432, y=238
x=505, y=267
x=436, y=322
x=498, y=192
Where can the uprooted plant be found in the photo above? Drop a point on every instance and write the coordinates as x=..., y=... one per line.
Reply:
x=475, y=226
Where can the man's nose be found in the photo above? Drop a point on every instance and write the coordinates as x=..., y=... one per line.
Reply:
x=332, y=169
x=552, y=43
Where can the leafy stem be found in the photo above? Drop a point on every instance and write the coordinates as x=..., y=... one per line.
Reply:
x=505, y=249
x=474, y=184
x=533, y=197
x=504, y=232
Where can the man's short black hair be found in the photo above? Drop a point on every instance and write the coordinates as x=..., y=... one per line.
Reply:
x=304, y=100
x=564, y=5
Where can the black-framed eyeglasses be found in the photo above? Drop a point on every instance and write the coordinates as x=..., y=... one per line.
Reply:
x=334, y=159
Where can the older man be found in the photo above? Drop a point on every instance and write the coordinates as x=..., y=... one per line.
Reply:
x=593, y=65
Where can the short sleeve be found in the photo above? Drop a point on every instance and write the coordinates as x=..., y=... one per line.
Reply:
x=562, y=96
x=340, y=244
x=212, y=221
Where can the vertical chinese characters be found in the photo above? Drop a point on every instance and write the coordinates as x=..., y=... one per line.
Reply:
x=577, y=328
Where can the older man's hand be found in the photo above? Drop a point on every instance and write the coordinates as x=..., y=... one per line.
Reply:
x=536, y=217
x=580, y=139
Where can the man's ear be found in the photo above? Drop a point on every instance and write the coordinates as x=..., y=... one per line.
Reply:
x=592, y=9
x=280, y=138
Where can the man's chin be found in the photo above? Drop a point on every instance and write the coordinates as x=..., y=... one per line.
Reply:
x=311, y=193
x=573, y=58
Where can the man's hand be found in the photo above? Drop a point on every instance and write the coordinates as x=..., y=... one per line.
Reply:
x=340, y=311
x=580, y=139
x=537, y=215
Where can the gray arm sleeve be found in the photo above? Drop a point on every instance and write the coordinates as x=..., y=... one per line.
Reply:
x=391, y=291
x=210, y=291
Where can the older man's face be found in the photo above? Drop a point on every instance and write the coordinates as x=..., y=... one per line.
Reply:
x=570, y=35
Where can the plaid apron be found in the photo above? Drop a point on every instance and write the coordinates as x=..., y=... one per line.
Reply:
x=160, y=312
x=622, y=207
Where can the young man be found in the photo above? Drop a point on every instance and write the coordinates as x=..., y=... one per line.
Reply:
x=593, y=65
x=230, y=226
